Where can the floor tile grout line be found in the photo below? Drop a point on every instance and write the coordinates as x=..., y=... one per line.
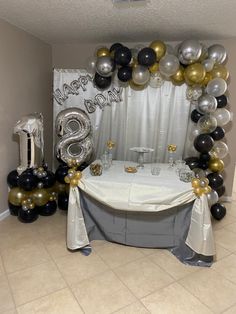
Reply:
x=179, y=282
x=68, y=286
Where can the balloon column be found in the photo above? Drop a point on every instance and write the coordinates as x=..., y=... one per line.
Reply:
x=203, y=70
x=31, y=191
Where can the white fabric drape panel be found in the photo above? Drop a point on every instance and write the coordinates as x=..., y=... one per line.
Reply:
x=151, y=118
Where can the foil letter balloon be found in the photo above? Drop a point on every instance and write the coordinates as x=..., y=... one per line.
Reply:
x=73, y=126
x=30, y=131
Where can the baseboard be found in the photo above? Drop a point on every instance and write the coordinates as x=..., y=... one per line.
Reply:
x=226, y=199
x=5, y=214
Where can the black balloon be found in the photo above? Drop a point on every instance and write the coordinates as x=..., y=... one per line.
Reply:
x=61, y=172
x=12, y=179
x=218, y=211
x=28, y=215
x=27, y=181
x=195, y=115
x=48, y=209
x=192, y=162
x=122, y=56
x=215, y=180
x=125, y=74
x=221, y=101
x=218, y=133
x=115, y=46
x=205, y=157
x=102, y=82
x=13, y=209
x=221, y=190
x=146, y=57
x=63, y=200
x=203, y=143
x=203, y=164
x=49, y=180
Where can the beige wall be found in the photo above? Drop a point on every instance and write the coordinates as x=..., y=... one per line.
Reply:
x=25, y=87
x=75, y=56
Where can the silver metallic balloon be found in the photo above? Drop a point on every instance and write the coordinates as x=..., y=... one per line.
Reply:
x=73, y=126
x=212, y=198
x=169, y=65
x=206, y=104
x=208, y=64
x=190, y=51
x=91, y=65
x=156, y=80
x=216, y=87
x=140, y=75
x=217, y=53
x=30, y=131
x=222, y=115
x=207, y=123
x=105, y=66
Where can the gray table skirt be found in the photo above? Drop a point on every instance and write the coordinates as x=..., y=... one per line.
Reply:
x=165, y=229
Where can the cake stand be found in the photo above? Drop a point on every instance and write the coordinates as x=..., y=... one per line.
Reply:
x=141, y=151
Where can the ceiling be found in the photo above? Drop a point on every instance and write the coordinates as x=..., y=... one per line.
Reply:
x=94, y=21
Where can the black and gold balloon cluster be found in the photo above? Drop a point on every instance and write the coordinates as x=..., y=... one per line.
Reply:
x=32, y=193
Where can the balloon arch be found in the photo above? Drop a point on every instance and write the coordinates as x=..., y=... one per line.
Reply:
x=203, y=70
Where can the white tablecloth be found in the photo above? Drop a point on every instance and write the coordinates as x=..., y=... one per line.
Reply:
x=144, y=192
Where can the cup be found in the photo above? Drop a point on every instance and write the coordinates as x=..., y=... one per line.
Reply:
x=105, y=161
x=130, y=168
x=155, y=170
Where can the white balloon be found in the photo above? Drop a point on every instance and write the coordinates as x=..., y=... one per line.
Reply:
x=91, y=65
x=222, y=115
x=140, y=75
x=220, y=149
x=216, y=87
x=156, y=80
x=169, y=65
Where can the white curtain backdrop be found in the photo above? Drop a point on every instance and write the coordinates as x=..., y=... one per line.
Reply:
x=150, y=118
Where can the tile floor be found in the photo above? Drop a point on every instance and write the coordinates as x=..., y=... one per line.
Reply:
x=39, y=275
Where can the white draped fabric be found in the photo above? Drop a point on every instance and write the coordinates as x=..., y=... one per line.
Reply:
x=150, y=118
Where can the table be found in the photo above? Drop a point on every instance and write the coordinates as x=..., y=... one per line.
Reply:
x=142, y=210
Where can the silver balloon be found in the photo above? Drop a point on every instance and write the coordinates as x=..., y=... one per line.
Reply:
x=190, y=51
x=212, y=198
x=91, y=65
x=156, y=80
x=207, y=123
x=30, y=131
x=169, y=65
x=140, y=75
x=217, y=53
x=105, y=66
x=193, y=92
x=222, y=115
x=73, y=126
x=216, y=87
x=206, y=104
x=220, y=149
x=170, y=50
x=208, y=64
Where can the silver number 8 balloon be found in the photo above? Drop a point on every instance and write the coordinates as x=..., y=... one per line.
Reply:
x=73, y=126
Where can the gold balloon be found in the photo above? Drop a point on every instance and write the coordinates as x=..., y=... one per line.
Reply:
x=219, y=70
x=206, y=189
x=16, y=196
x=67, y=179
x=195, y=73
x=198, y=191
x=78, y=175
x=136, y=87
x=40, y=197
x=74, y=182
x=216, y=165
x=195, y=183
x=103, y=52
x=154, y=68
x=71, y=171
x=159, y=47
x=207, y=79
x=178, y=77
